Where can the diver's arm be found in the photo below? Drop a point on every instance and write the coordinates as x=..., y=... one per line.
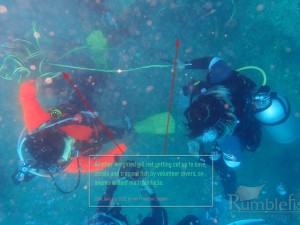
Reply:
x=104, y=202
x=159, y=214
x=34, y=115
x=200, y=63
x=218, y=69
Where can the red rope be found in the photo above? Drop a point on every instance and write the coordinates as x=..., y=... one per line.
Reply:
x=171, y=97
x=66, y=76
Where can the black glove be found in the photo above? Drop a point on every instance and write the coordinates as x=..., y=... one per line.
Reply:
x=111, y=188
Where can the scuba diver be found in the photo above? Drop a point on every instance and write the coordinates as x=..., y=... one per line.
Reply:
x=112, y=215
x=62, y=138
x=106, y=215
x=219, y=111
x=228, y=110
x=225, y=114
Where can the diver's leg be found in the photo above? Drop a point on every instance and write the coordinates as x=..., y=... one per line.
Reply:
x=159, y=215
x=227, y=176
x=252, y=135
x=231, y=148
x=115, y=132
x=104, y=203
x=189, y=219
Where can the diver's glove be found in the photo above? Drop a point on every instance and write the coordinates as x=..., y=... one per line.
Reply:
x=147, y=190
x=194, y=147
x=131, y=171
x=215, y=153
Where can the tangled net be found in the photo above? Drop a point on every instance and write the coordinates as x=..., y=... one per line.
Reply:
x=24, y=61
x=27, y=61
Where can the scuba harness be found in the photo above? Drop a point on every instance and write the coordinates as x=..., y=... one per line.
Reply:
x=30, y=168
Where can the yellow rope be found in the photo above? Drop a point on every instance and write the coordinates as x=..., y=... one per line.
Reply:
x=256, y=68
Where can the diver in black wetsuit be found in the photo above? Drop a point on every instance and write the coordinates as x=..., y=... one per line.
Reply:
x=112, y=216
x=225, y=112
x=219, y=113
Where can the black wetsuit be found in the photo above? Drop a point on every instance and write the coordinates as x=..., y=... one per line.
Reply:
x=248, y=130
x=241, y=89
x=158, y=214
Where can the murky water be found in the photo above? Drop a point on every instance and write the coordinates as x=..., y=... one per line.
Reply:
x=53, y=36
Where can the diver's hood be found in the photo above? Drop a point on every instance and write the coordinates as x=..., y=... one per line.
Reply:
x=212, y=110
x=37, y=164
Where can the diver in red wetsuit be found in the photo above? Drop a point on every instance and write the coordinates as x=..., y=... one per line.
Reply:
x=62, y=139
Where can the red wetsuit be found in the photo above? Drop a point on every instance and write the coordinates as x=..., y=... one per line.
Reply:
x=34, y=116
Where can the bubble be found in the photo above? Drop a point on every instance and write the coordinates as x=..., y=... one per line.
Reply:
x=260, y=7
x=32, y=67
x=3, y=9
x=208, y=5
x=149, y=88
x=51, y=33
x=119, y=71
x=124, y=102
x=37, y=35
x=90, y=79
x=48, y=80
x=272, y=67
x=85, y=187
x=149, y=23
x=78, y=117
x=188, y=50
x=288, y=50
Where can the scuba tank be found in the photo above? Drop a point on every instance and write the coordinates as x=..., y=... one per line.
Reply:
x=273, y=111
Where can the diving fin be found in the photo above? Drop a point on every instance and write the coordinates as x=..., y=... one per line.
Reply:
x=155, y=124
